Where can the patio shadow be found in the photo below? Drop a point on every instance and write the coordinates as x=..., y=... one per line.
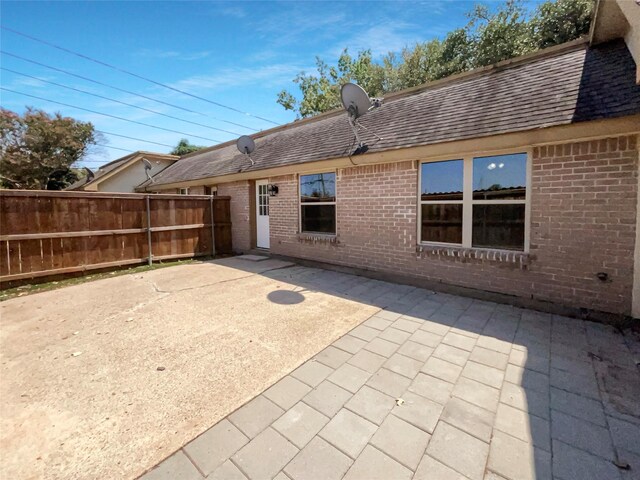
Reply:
x=537, y=380
x=285, y=297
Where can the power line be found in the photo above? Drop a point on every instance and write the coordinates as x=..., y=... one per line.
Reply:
x=97, y=82
x=109, y=115
x=99, y=62
x=134, y=138
x=114, y=148
x=118, y=101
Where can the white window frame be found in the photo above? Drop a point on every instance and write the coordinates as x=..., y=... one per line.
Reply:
x=468, y=202
x=301, y=203
x=263, y=209
x=183, y=191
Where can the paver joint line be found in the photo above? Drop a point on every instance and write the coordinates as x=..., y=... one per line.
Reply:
x=192, y=461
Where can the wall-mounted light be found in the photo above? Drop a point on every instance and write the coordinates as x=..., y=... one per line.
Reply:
x=272, y=189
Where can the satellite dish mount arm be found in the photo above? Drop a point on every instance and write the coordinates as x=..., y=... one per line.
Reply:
x=354, y=127
x=247, y=153
x=147, y=169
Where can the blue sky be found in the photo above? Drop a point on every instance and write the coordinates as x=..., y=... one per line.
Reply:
x=237, y=53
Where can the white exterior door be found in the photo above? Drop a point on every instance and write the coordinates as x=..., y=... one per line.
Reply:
x=262, y=214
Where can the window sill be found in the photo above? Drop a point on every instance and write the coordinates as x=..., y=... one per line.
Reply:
x=476, y=255
x=307, y=237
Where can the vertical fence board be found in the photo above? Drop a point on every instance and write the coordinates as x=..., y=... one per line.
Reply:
x=4, y=259
x=14, y=257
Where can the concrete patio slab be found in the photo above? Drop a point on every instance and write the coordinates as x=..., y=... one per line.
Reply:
x=375, y=465
x=401, y=441
x=214, y=329
x=417, y=385
x=451, y=388
x=300, y=424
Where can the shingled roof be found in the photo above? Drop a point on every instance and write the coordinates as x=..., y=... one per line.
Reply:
x=113, y=165
x=103, y=170
x=570, y=85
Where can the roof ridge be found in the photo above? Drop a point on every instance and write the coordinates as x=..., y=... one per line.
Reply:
x=530, y=57
x=112, y=162
x=392, y=96
x=133, y=154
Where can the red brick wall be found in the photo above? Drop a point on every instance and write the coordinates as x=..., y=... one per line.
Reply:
x=240, y=213
x=582, y=222
x=376, y=218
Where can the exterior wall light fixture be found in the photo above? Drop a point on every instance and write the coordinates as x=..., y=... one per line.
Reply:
x=272, y=189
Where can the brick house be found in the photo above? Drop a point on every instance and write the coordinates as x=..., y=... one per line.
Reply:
x=519, y=179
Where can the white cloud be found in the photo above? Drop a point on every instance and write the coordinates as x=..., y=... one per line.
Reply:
x=390, y=36
x=287, y=27
x=174, y=54
x=231, y=11
x=278, y=74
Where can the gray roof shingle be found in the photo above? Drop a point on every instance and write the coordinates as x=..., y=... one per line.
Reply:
x=570, y=86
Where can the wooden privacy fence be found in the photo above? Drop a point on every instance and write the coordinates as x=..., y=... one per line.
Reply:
x=44, y=233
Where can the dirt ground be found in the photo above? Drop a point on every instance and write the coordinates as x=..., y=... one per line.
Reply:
x=105, y=379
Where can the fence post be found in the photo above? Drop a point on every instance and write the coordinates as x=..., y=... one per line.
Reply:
x=150, y=260
x=213, y=231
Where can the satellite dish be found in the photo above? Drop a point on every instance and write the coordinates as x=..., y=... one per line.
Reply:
x=147, y=168
x=90, y=174
x=246, y=144
x=355, y=100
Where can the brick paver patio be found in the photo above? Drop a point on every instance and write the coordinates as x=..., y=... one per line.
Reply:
x=435, y=386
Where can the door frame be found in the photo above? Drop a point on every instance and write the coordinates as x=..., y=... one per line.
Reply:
x=256, y=210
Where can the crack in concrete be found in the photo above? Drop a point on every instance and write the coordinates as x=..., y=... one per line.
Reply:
x=251, y=274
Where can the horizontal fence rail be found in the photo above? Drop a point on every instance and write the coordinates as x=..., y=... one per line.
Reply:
x=45, y=233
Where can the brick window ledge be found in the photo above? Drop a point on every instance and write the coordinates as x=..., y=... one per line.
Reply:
x=318, y=238
x=520, y=259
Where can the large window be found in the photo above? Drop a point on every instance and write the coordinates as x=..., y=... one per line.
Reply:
x=441, y=198
x=475, y=202
x=318, y=203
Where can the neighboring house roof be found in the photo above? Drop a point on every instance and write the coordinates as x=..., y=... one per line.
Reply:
x=109, y=169
x=563, y=85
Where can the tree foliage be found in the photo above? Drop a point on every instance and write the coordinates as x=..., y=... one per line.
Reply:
x=183, y=147
x=491, y=35
x=37, y=150
x=63, y=178
x=559, y=22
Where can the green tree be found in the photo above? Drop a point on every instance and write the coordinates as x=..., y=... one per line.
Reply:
x=37, y=150
x=455, y=54
x=500, y=35
x=491, y=35
x=321, y=92
x=62, y=179
x=562, y=21
x=183, y=147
